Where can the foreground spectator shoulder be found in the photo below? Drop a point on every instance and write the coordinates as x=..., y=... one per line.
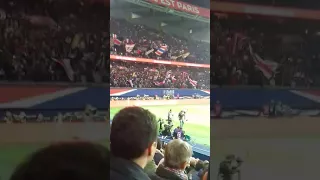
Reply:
x=69, y=160
x=133, y=137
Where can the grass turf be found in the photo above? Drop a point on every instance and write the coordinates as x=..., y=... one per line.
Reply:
x=197, y=126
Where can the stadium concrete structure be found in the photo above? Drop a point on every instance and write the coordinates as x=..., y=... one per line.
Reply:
x=158, y=16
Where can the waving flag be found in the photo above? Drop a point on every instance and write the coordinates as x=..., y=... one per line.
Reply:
x=168, y=74
x=159, y=83
x=192, y=82
x=116, y=40
x=161, y=50
x=267, y=67
x=184, y=75
x=131, y=83
x=129, y=47
x=66, y=64
x=173, y=79
x=182, y=55
x=149, y=51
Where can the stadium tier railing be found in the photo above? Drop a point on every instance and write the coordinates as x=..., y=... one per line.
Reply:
x=155, y=61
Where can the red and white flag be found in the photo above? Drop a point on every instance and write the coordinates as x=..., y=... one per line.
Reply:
x=184, y=75
x=159, y=83
x=129, y=47
x=65, y=63
x=168, y=74
x=267, y=67
x=192, y=82
x=116, y=41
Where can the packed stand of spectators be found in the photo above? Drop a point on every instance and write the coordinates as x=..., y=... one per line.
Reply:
x=257, y=51
x=137, y=153
x=142, y=75
x=45, y=40
x=146, y=42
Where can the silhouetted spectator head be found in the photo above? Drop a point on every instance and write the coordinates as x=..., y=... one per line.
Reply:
x=230, y=157
x=134, y=133
x=69, y=160
x=177, y=154
x=200, y=165
x=159, y=144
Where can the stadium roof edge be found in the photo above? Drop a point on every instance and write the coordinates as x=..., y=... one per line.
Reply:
x=169, y=10
x=284, y=12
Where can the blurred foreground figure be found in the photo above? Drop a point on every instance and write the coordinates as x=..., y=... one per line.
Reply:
x=133, y=143
x=69, y=160
x=230, y=167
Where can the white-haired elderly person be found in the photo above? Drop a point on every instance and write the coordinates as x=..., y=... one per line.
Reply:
x=177, y=156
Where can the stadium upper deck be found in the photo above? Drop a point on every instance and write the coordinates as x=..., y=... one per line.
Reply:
x=153, y=16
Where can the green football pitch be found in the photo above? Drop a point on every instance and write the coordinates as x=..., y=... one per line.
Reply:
x=197, y=126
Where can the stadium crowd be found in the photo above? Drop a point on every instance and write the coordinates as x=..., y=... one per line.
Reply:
x=142, y=75
x=45, y=40
x=146, y=42
x=271, y=51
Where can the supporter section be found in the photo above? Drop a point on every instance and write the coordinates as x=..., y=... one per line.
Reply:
x=151, y=75
x=264, y=50
x=135, y=39
x=54, y=41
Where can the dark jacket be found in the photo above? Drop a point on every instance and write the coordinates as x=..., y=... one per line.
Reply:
x=122, y=169
x=157, y=157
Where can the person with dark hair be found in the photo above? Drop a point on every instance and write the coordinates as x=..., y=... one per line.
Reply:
x=133, y=142
x=68, y=160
